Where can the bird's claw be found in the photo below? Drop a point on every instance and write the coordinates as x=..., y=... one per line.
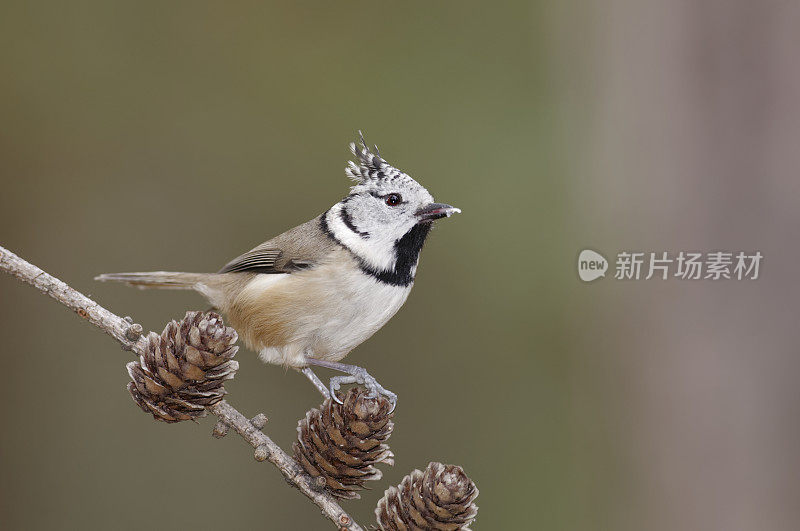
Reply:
x=362, y=377
x=337, y=382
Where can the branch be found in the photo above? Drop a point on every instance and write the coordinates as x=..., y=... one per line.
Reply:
x=129, y=335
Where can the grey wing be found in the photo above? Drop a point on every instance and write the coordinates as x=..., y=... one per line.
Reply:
x=299, y=248
x=260, y=259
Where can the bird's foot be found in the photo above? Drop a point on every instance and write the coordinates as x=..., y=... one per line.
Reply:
x=314, y=379
x=354, y=375
x=362, y=377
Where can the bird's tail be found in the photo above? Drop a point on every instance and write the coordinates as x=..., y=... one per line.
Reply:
x=156, y=279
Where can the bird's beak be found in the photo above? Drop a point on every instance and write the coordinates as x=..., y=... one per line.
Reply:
x=436, y=211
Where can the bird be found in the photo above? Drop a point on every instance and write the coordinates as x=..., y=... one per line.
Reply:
x=310, y=295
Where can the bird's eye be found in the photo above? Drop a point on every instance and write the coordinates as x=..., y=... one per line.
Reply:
x=393, y=199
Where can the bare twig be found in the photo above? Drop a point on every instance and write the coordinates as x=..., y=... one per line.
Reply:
x=129, y=335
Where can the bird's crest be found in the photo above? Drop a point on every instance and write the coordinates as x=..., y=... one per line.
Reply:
x=370, y=166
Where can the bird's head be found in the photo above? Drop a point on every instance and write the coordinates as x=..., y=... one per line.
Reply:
x=387, y=215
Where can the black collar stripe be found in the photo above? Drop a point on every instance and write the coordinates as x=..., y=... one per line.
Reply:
x=407, y=251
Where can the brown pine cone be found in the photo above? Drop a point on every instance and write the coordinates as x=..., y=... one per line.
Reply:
x=440, y=498
x=183, y=369
x=341, y=443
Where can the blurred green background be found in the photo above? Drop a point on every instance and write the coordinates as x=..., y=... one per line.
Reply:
x=146, y=135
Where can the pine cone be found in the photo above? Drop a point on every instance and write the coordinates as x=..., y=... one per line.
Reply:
x=183, y=369
x=440, y=498
x=341, y=443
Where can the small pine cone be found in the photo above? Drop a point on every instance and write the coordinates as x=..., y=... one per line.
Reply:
x=183, y=369
x=439, y=498
x=341, y=443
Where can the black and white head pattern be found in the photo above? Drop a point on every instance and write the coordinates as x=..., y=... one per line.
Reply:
x=377, y=222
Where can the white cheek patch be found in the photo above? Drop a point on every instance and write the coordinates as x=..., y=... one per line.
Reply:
x=377, y=250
